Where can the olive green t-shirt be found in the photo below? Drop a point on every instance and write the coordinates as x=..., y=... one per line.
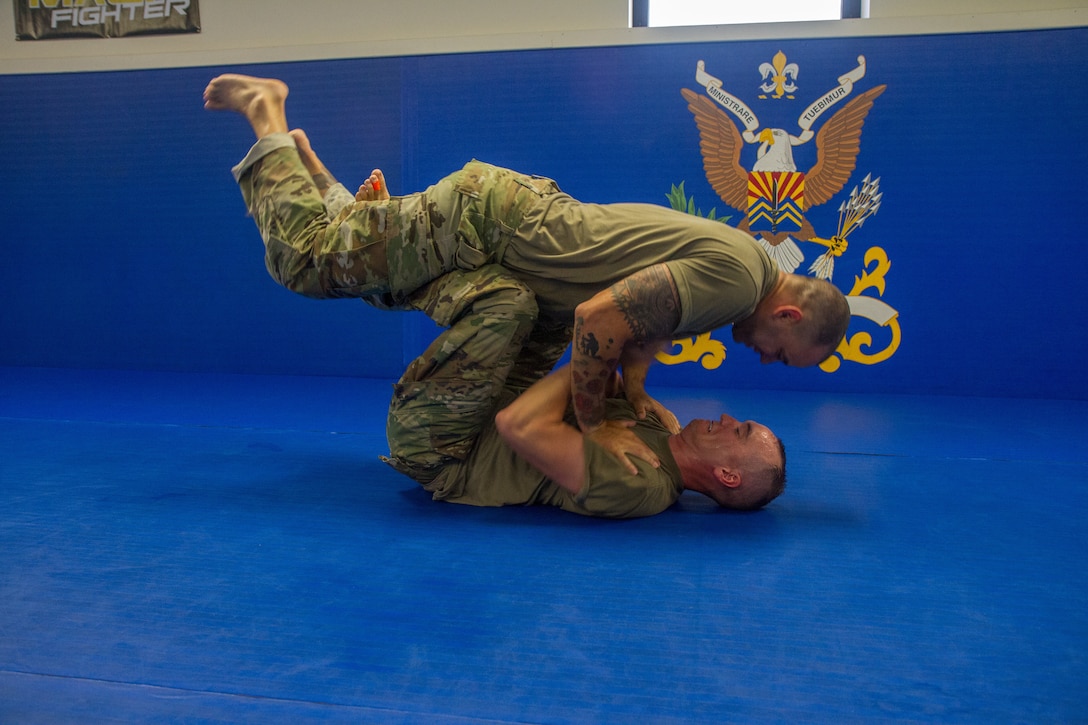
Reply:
x=493, y=475
x=566, y=251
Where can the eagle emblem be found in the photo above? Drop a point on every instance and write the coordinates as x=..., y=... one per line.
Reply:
x=773, y=195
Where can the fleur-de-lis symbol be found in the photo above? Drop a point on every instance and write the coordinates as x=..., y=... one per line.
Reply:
x=778, y=76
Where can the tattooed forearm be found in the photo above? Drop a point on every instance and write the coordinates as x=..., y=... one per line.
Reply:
x=585, y=396
x=640, y=308
x=649, y=303
x=592, y=363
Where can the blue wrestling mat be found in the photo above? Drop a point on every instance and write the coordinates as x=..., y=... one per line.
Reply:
x=230, y=549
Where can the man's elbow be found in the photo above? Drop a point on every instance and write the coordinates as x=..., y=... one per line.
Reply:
x=582, y=309
x=600, y=320
x=592, y=312
x=510, y=425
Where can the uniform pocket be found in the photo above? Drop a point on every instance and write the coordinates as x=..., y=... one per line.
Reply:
x=470, y=253
x=540, y=185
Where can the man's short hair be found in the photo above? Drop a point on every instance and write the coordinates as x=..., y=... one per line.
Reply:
x=826, y=309
x=766, y=483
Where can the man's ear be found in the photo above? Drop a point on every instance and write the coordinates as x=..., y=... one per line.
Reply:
x=788, y=312
x=727, y=477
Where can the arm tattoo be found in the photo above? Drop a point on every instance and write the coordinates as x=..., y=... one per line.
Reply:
x=587, y=344
x=589, y=373
x=649, y=302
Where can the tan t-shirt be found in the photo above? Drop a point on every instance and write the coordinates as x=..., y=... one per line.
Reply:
x=567, y=251
x=493, y=475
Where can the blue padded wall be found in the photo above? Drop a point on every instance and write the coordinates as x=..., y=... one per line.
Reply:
x=126, y=244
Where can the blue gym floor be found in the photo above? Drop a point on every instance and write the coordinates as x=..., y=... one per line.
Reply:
x=229, y=549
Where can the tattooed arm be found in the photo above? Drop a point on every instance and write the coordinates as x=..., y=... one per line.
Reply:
x=642, y=308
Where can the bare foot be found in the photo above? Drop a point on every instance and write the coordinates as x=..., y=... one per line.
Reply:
x=260, y=100
x=374, y=188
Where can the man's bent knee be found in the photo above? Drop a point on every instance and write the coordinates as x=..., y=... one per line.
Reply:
x=485, y=290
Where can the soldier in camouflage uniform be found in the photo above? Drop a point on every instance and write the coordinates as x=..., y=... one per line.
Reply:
x=438, y=268
x=512, y=266
x=431, y=252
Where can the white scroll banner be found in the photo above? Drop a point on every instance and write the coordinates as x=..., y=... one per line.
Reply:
x=829, y=99
x=871, y=308
x=727, y=101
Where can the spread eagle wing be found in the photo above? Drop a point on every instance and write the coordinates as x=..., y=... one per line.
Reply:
x=720, y=143
x=837, y=146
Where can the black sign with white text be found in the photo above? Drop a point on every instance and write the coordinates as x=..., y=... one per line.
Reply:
x=41, y=19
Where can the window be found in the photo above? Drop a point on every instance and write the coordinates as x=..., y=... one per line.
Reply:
x=662, y=13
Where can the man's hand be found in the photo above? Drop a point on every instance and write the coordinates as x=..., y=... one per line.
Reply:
x=643, y=404
x=636, y=361
x=616, y=437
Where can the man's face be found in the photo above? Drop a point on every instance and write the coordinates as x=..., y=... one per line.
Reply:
x=728, y=442
x=778, y=339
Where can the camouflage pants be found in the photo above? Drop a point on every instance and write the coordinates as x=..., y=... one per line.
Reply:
x=382, y=250
x=438, y=252
x=494, y=344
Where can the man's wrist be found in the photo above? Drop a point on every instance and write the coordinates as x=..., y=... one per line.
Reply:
x=591, y=428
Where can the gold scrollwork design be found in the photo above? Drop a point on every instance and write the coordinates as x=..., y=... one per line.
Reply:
x=709, y=353
x=876, y=277
x=854, y=348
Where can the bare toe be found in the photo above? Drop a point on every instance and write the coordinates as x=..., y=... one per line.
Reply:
x=377, y=178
